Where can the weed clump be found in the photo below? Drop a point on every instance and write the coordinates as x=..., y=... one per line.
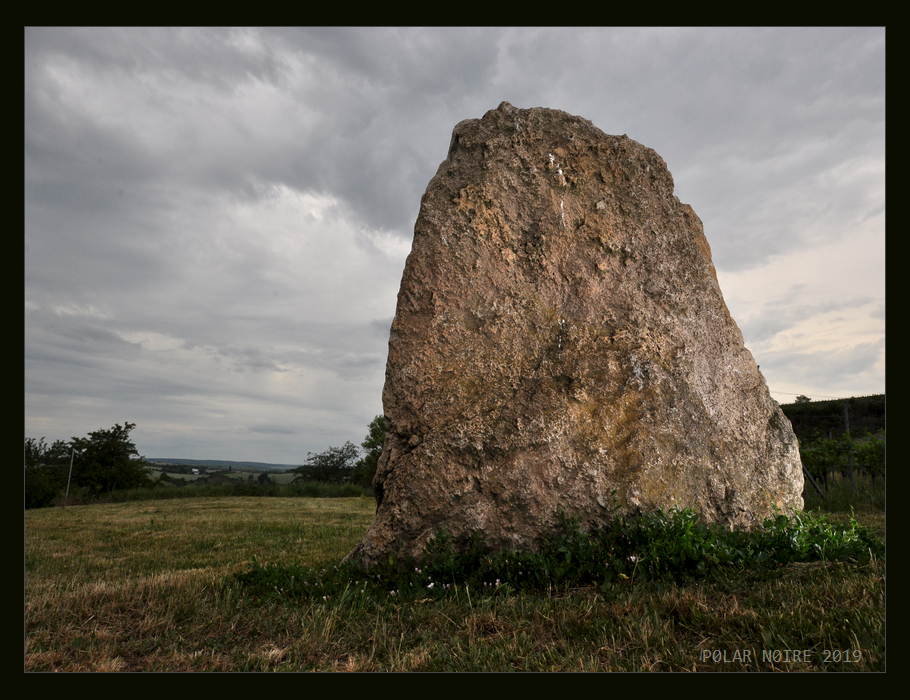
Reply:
x=659, y=547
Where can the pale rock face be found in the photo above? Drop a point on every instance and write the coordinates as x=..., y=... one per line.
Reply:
x=561, y=342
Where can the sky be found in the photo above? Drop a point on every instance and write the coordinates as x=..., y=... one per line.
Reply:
x=217, y=220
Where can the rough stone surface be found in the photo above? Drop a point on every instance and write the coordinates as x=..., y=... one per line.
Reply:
x=561, y=341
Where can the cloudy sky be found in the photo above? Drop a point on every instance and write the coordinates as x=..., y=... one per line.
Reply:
x=216, y=221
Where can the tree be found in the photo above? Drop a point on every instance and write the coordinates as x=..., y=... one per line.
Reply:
x=803, y=399
x=365, y=469
x=34, y=451
x=334, y=466
x=45, y=472
x=103, y=461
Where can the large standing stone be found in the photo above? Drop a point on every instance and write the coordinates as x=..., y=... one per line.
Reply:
x=561, y=341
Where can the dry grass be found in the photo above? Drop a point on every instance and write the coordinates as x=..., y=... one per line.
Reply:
x=147, y=586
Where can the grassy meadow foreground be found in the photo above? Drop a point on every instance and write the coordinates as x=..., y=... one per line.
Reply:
x=171, y=585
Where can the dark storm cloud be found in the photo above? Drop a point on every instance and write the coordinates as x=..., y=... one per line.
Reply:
x=216, y=220
x=769, y=112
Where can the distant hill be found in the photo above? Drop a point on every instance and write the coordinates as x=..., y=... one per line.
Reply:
x=221, y=464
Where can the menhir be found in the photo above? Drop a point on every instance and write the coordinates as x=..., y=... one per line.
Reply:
x=561, y=343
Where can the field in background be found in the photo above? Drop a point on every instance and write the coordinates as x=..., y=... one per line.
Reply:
x=276, y=476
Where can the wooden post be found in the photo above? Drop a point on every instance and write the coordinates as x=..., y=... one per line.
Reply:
x=806, y=472
x=70, y=477
x=850, y=457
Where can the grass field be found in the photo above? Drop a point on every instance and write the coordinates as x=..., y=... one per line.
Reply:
x=151, y=586
x=275, y=476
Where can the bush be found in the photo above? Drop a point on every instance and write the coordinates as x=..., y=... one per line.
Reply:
x=334, y=466
x=825, y=455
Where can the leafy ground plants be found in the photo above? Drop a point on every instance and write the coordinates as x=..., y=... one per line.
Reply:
x=659, y=547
